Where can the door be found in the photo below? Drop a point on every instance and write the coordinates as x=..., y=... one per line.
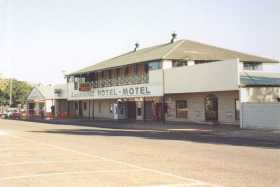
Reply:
x=80, y=109
x=211, y=108
x=148, y=110
x=131, y=110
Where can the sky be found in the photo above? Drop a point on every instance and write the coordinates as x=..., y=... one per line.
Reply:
x=41, y=39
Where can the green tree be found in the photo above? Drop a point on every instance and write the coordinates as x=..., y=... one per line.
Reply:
x=20, y=92
x=4, y=98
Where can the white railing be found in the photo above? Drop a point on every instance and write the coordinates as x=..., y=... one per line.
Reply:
x=120, y=81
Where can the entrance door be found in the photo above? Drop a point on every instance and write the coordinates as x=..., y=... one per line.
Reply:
x=148, y=110
x=131, y=110
x=211, y=108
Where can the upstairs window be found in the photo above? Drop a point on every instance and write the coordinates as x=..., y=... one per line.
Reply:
x=255, y=66
x=179, y=63
x=110, y=74
x=154, y=65
x=126, y=71
x=135, y=69
x=118, y=72
x=146, y=68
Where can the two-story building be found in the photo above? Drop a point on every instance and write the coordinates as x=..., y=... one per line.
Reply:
x=177, y=81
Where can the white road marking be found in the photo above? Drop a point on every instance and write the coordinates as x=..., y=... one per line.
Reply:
x=46, y=162
x=68, y=173
x=178, y=185
x=25, y=149
x=169, y=185
x=119, y=162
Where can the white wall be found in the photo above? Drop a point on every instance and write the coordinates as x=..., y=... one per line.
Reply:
x=102, y=109
x=215, y=76
x=196, y=106
x=257, y=115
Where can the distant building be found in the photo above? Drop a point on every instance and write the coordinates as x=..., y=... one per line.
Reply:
x=46, y=100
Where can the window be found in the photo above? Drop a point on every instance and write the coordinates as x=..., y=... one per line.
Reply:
x=76, y=106
x=139, y=111
x=252, y=65
x=110, y=74
x=126, y=71
x=181, y=109
x=118, y=72
x=135, y=69
x=179, y=63
x=146, y=68
x=103, y=75
x=154, y=65
x=85, y=106
x=237, y=109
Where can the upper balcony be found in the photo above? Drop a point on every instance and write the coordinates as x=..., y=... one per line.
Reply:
x=121, y=81
x=132, y=74
x=140, y=85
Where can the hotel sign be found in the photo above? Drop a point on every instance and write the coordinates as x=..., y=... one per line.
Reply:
x=130, y=91
x=118, y=92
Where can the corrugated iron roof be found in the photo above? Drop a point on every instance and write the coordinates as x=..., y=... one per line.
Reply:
x=259, y=79
x=181, y=49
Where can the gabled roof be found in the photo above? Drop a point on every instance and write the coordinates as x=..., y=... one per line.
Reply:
x=181, y=49
x=41, y=92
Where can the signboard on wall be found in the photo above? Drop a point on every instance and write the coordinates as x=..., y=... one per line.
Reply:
x=84, y=87
x=141, y=90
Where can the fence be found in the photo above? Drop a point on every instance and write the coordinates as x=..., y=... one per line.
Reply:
x=260, y=115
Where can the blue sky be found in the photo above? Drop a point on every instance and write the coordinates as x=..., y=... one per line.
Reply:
x=41, y=38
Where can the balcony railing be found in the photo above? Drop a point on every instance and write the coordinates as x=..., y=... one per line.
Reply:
x=121, y=81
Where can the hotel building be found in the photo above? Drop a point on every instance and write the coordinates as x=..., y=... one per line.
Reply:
x=177, y=81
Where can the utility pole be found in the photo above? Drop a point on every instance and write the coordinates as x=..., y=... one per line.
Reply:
x=11, y=92
x=7, y=42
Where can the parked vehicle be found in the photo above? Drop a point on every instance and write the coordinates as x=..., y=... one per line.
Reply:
x=9, y=113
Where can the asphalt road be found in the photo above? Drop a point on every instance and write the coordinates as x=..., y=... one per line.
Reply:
x=40, y=154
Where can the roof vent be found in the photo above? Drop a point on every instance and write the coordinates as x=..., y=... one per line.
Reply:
x=174, y=36
x=136, y=46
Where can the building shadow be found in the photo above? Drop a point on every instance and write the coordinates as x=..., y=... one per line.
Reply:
x=192, y=135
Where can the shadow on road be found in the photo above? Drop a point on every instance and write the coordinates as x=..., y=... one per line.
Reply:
x=194, y=135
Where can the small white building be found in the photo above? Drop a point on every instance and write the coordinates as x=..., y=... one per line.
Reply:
x=41, y=100
x=47, y=100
